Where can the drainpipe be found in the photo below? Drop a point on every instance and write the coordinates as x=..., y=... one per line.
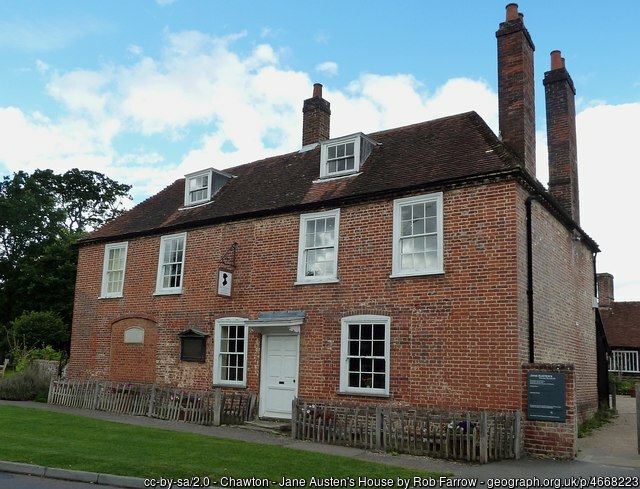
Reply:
x=528, y=203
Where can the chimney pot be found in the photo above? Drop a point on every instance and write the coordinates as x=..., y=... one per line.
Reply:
x=317, y=90
x=512, y=11
x=557, y=61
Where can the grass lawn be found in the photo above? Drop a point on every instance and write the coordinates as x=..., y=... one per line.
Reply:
x=74, y=442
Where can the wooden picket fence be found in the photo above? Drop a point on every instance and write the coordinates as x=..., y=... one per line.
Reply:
x=198, y=407
x=470, y=436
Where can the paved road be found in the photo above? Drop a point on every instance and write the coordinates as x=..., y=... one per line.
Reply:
x=19, y=481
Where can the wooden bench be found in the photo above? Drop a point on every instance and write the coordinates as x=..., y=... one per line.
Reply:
x=3, y=367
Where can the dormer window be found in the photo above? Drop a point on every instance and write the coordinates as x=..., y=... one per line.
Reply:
x=344, y=156
x=200, y=187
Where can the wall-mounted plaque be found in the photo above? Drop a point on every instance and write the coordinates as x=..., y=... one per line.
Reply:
x=225, y=281
x=546, y=396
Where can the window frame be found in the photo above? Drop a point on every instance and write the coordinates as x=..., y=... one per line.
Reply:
x=104, y=293
x=302, y=278
x=187, y=192
x=324, y=155
x=345, y=323
x=160, y=290
x=217, y=353
x=398, y=204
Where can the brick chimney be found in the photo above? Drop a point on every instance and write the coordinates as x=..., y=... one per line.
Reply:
x=605, y=289
x=516, y=92
x=316, y=116
x=561, y=136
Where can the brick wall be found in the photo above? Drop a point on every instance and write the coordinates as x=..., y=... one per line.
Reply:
x=456, y=338
x=563, y=288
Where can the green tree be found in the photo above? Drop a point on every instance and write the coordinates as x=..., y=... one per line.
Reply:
x=41, y=217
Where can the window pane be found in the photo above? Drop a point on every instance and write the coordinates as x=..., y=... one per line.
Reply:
x=431, y=225
x=332, y=152
x=431, y=243
x=418, y=210
x=340, y=151
x=349, y=149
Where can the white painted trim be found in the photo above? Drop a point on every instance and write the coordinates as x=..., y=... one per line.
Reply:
x=301, y=278
x=107, y=248
x=159, y=277
x=397, y=219
x=219, y=323
x=344, y=348
x=356, y=139
x=191, y=176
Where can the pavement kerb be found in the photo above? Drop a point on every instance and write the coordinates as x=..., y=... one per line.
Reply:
x=72, y=475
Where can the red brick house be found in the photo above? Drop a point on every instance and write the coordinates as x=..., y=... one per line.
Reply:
x=622, y=324
x=422, y=265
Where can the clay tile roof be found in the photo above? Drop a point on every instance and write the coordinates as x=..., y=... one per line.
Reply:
x=622, y=324
x=416, y=156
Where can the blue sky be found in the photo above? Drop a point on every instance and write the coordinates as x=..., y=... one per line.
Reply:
x=147, y=91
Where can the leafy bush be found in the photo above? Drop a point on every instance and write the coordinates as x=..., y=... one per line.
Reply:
x=35, y=329
x=624, y=385
x=28, y=385
x=24, y=358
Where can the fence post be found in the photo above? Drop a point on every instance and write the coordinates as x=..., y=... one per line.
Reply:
x=217, y=407
x=96, y=393
x=379, y=428
x=614, y=392
x=637, y=387
x=518, y=440
x=484, y=438
x=152, y=401
x=294, y=417
x=50, y=395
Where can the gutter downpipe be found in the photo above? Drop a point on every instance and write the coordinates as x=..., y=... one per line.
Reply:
x=528, y=203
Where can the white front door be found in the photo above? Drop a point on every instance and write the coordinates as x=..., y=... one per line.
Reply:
x=279, y=378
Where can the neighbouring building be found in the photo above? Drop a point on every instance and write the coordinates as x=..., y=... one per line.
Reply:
x=422, y=265
x=622, y=324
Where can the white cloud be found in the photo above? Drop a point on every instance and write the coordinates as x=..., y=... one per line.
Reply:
x=375, y=102
x=81, y=90
x=609, y=171
x=328, y=68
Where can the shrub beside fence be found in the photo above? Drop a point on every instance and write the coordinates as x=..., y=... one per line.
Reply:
x=198, y=407
x=471, y=436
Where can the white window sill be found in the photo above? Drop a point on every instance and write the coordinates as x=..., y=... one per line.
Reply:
x=313, y=282
x=416, y=274
x=229, y=384
x=363, y=393
x=329, y=178
x=168, y=292
x=110, y=296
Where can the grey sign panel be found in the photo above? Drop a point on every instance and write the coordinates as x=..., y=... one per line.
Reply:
x=546, y=396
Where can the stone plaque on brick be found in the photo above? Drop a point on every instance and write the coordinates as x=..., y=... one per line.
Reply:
x=546, y=396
